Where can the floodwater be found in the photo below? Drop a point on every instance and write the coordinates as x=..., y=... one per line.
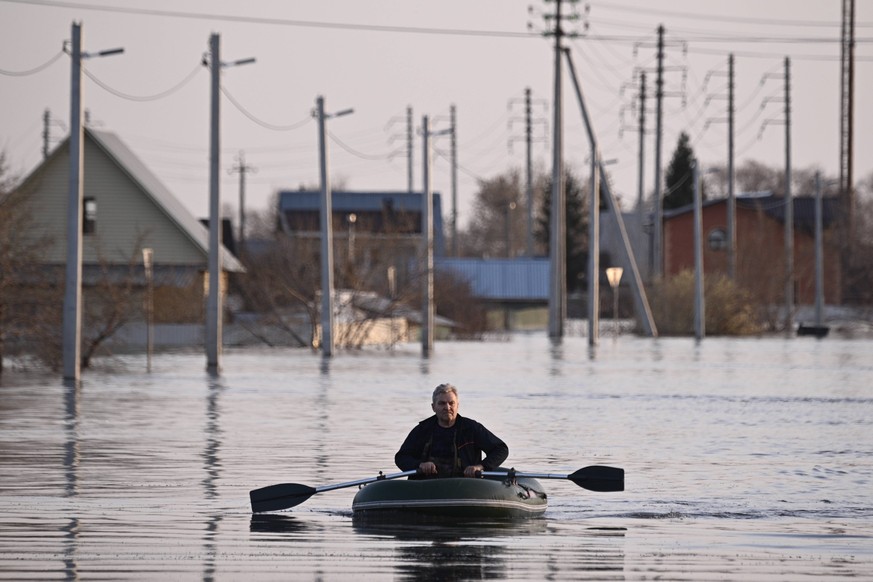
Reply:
x=745, y=459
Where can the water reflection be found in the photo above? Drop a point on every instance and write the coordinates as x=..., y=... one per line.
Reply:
x=212, y=466
x=276, y=523
x=72, y=458
x=449, y=550
x=71, y=536
x=72, y=453
x=556, y=351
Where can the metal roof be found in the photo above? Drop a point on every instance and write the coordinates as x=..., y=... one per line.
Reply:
x=152, y=187
x=520, y=279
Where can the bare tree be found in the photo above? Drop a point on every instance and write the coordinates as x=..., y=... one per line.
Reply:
x=29, y=312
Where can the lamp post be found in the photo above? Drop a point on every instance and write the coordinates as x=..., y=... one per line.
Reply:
x=326, y=214
x=613, y=274
x=148, y=267
x=72, y=320
x=508, y=228
x=352, y=218
x=214, y=300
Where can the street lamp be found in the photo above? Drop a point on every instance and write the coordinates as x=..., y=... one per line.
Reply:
x=214, y=307
x=352, y=218
x=326, y=218
x=148, y=267
x=613, y=274
x=72, y=319
x=508, y=222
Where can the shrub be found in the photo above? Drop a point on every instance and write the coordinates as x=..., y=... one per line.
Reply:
x=728, y=308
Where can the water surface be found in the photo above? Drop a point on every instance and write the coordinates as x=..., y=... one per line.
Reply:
x=745, y=459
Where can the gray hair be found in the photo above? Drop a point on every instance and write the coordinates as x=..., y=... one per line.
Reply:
x=444, y=389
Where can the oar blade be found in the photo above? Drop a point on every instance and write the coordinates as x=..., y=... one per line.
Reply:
x=599, y=478
x=281, y=496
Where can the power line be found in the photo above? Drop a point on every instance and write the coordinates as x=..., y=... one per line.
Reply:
x=260, y=122
x=278, y=21
x=721, y=17
x=34, y=70
x=143, y=98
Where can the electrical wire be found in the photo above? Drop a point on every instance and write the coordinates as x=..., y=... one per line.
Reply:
x=143, y=98
x=34, y=70
x=260, y=122
x=363, y=156
x=278, y=21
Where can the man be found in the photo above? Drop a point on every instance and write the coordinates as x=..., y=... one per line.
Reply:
x=448, y=444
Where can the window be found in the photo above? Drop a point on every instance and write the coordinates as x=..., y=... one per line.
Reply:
x=717, y=239
x=89, y=219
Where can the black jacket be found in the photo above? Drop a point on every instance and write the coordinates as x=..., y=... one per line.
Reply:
x=471, y=441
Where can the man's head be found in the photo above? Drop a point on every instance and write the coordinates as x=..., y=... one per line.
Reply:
x=445, y=404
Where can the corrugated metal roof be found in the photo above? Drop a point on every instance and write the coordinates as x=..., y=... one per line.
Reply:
x=152, y=186
x=521, y=279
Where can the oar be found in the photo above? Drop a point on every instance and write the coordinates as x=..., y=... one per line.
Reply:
x=593, y=478
x=285, y=495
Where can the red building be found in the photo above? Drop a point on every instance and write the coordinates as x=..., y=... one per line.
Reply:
x=760, y=253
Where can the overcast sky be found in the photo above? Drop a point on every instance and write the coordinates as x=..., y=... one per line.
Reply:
x=382, y=56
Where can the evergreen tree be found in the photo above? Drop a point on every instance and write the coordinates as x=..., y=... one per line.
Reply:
x=576, y=235
x=680, y=185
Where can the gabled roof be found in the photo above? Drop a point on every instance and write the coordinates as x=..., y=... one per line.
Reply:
x=160, y=195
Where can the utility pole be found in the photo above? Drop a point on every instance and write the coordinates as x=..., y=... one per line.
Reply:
x=529, y=139
x=214, y=300
x=410, y=151
x=427, y=316
x=847, y=115
x=731, y=173
x=72, y=319
x=528, y=170
x=819, y=254
x=788, y=200
x=732, y=197
x=242, y=168
x=789, y=209
x=326, y=218
x=454, y=142
x=558, y=241
x=73, y=289
x=46, y=132
x=699, y=305
x=641, y=167
x=657, y=236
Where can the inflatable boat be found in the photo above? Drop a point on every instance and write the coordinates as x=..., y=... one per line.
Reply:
x=490, y=497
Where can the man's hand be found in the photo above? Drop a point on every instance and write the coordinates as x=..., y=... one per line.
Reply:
x=427, y=468
x=473, y=470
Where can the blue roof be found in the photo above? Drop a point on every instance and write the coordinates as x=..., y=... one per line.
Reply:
x=357, y=201
x=343, y=201
x=521, y=279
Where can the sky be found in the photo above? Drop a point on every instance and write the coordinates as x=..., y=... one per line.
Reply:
x=380, y=57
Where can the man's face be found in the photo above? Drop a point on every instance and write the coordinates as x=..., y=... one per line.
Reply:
x=446, y=408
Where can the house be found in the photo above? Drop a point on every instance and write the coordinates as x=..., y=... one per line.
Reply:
x=373, y=231
x=760, y=250
x=125, y=209
x=515, y=292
